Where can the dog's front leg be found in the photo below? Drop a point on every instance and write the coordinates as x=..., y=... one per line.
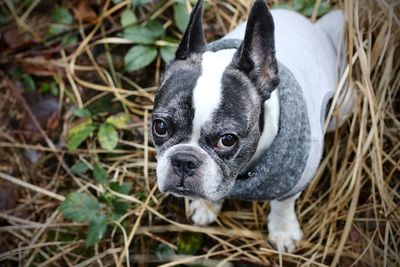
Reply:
x=283, y=226
x=203, y=212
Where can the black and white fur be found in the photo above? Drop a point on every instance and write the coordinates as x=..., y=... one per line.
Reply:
x=205, y=95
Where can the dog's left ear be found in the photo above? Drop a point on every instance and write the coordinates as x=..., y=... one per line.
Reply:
x=256, y=55
x=193, y=40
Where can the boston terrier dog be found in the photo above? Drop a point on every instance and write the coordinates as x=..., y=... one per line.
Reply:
x=243, y=117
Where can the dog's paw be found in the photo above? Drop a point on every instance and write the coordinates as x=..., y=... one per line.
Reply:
x=284, y=241
x=284, y=234
x=203, y=212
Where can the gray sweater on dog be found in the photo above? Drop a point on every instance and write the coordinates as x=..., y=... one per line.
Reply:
x=307, y=56
x=281, y=171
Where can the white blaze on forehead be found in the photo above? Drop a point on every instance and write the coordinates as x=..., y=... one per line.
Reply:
x=207, y=93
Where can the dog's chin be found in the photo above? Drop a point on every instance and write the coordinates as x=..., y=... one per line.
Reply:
x=182, y=192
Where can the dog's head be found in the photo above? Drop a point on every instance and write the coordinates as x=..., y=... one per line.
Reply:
x=208, y=110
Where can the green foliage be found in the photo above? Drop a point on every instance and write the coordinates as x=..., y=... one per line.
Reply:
x=28, y=83
x=167, y=53
x=99, y=173
x=139, y=56
x=49, y=87
x=181, y=16
x=80, y=207
x=123, y=188
x=79, y=168
x=82, y=113
x=128, y=18
x=107, y=133
x=69, y=40
x=164, y=252
x=306, y=7
x=62, y=15
x=4, y=18
x=140, y=35
x=96, y=230
x=78, y=136
x=156, y=28
x=144, y=34
x=119, y=121
x=145, y=52
x=140, y=2
x=191, y=244
x=150, y=38
x=61, y=19
x=108, y=136
x=119, y=208
x=99, y=212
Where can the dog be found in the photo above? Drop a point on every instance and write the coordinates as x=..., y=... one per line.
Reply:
x=243, y=117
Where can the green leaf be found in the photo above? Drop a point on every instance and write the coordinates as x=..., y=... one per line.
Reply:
x=108, y=136
x=128, y=18
x=54, y=89
x=156, y=28
x=4, y=18
x=139, y=57
x=191, y=244
x=139, y=2
x=75, y=139
x=28, y=83
x=324, y=8
x=105, y=104
x=308, y=10
x=167, y=53
x=298, y=4
x=123, y=188
x=116, y=1
x=79, y=126
x=164, y=252
x=69, y=40
x=49, y=88
x=140, y=34
x=283, y=6
x=119, y=208
x=119, y=121
x=145, y=34
x=96, y=230
x=99, y=173
x=44, y=87
x=79, y=168
x=181, y=16
x=82, y=113
x=62, y=16
x=80, y=207
x=55, y=29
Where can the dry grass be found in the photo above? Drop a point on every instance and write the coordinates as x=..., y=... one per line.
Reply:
x=350, y=213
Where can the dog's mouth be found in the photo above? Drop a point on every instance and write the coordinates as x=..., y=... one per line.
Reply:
x=182, y=191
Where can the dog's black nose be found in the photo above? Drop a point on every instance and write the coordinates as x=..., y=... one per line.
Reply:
x=184, y=164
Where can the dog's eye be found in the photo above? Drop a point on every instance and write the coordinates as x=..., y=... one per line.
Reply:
x=160, y=128
x=227, y=141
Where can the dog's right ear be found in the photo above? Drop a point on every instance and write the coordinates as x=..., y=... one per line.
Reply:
x=193, y=40
x=256, y=55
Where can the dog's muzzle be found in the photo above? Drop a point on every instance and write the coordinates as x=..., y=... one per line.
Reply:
x=184, y=165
